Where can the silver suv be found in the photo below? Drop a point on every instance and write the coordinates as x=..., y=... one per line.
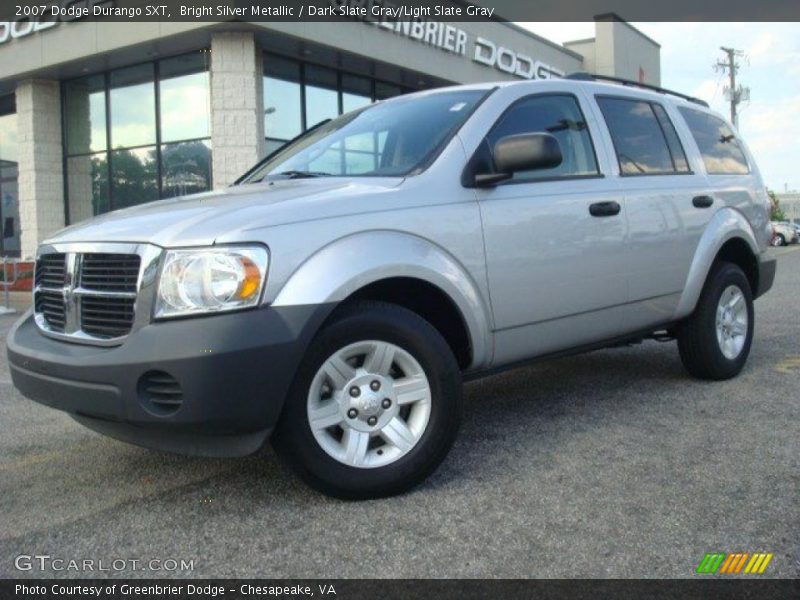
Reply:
x=336, y=297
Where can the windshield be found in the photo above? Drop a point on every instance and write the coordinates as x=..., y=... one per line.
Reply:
x=388, y=139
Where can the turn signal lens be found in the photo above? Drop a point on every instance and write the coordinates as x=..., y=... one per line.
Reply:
x=252, y=279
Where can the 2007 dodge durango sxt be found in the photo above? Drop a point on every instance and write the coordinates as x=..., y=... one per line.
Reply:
x=337, y=296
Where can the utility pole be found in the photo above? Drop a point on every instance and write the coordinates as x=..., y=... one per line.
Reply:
x=731, y=65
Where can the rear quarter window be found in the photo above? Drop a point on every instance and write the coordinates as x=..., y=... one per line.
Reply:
x=721, y=152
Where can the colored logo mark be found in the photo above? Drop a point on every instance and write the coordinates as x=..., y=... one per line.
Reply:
x=731, y=564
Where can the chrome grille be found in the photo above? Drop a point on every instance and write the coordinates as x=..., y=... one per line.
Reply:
x=109, y=272
x=91, y=294
x=51, y=270
x=106, y=317
x=50, y=305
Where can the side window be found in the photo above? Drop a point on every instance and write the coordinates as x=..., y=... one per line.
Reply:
x=558, y=115
x=721, y=152
x=641, y=138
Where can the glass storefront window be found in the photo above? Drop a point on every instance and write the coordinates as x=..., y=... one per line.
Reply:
x=85, y=114
x=8, y=139
x=356, y=92
x=273, y=145
x=9, y=190
x=134, y=176
x=87, y=182
x=386, y=90
x=185, y=168
x=183, y=89
x=299, y=95
x=322, y=97
x=152, y=149
x=133, y=107
x=283, y=118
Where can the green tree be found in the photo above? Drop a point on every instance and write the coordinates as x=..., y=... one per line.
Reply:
x=776, y=213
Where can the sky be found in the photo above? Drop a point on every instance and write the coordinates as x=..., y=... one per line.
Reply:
x=770, y=67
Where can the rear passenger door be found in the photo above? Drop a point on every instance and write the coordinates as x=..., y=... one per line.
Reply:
x=667, y=205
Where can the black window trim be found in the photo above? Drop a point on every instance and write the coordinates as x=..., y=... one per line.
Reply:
x=735, y=137
x=666, y=139
x=649, y=102
x=468, y=176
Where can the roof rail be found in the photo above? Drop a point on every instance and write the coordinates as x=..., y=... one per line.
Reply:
x=581, y=76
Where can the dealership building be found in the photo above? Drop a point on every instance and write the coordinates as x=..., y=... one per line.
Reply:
x=96, y=116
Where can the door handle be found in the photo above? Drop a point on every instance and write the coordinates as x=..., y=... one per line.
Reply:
x=604, y=209
x=702, y=201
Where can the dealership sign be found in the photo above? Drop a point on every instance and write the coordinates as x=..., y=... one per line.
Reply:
x=447, y=37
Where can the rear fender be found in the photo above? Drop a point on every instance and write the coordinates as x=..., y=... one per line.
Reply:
x=725, y=225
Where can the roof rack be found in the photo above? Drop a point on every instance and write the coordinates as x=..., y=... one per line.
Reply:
x=581, y=76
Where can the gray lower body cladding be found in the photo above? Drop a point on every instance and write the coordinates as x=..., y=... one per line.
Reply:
x=766, y=275
x=233, y=372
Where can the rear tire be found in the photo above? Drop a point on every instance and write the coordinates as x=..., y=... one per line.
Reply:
x=714, y=342
x=375, y=406
x=779, y=240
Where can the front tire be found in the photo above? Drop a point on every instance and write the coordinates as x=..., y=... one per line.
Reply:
x=375, y=405
x=714, y=342
x=778, y=240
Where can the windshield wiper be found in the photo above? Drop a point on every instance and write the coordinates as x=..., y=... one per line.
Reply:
x=301, y=174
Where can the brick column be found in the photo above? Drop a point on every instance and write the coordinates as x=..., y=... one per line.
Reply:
x=41, y=172
x=237, y=106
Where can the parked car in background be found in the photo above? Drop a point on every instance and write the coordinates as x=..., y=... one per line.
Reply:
x=783, y=233
x=334, y=300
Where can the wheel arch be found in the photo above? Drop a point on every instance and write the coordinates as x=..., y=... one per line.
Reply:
x=405, y=269
x=429, y=302
x=728, y=236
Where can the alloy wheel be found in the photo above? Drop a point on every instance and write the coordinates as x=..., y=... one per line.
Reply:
x=732, y=322
x=369, y=404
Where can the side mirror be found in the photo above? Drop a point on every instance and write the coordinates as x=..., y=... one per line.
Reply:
x=522, y=152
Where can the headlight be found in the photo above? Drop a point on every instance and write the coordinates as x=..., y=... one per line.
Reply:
x=205, y=280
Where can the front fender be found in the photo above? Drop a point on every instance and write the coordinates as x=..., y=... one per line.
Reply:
x=351, y=263
x=726, y=224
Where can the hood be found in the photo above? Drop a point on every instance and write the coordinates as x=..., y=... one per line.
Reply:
x=232, y=214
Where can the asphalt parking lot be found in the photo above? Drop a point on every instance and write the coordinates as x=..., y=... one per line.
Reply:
x=611, y=464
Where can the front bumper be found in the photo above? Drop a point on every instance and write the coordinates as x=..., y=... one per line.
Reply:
x=234, y=370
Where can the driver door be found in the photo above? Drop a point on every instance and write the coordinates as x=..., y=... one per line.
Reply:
x=554, y=238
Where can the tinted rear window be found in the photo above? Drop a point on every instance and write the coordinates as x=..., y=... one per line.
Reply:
x=722, y=154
